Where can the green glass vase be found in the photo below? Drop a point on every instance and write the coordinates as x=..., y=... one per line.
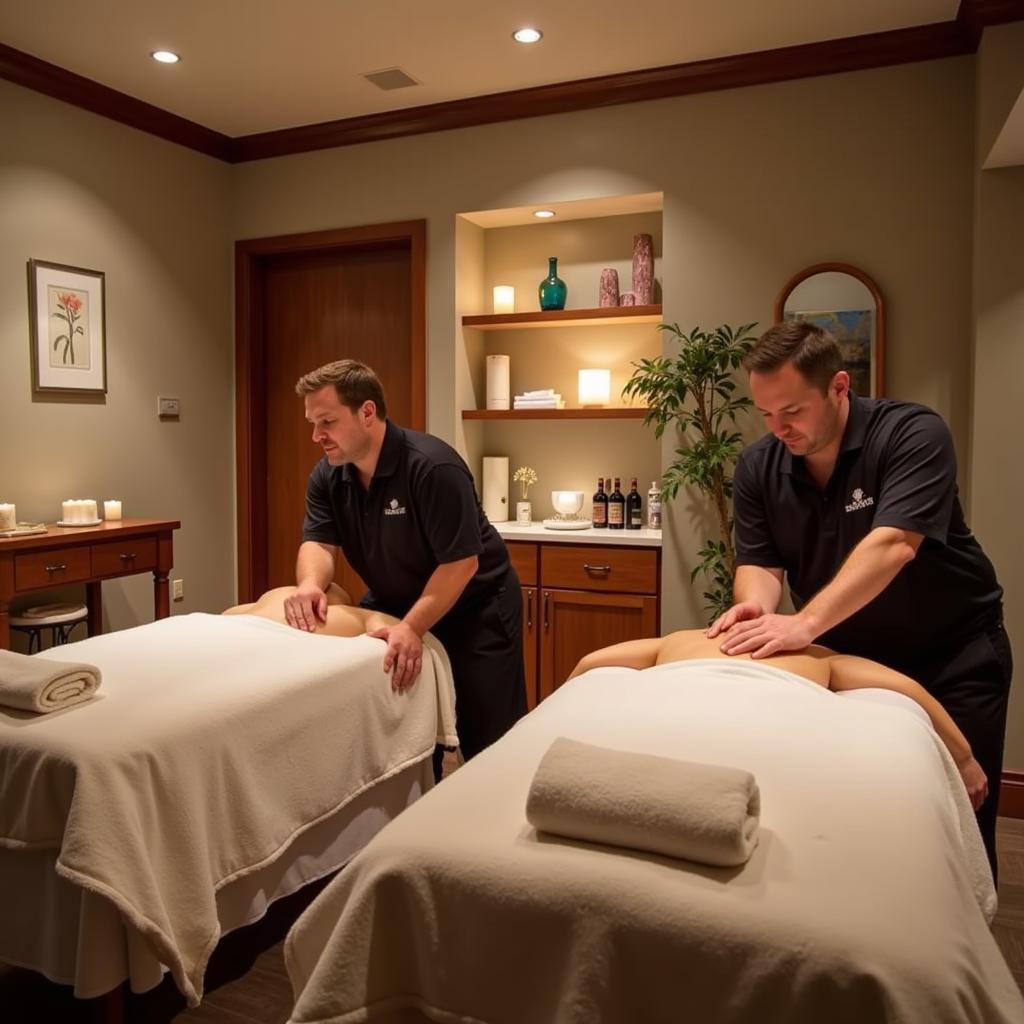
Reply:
x=552, y=290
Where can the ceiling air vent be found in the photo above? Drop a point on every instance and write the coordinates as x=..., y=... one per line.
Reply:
x=390, y=78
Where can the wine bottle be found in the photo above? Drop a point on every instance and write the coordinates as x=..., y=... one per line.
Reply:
x=654, y=507
x=616, y=508
x=634, y=508
x=599, y=511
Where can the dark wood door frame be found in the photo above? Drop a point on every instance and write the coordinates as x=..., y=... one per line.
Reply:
x=250, y=383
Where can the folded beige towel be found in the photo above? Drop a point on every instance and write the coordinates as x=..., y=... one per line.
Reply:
x=31, y=683
x=700, y=812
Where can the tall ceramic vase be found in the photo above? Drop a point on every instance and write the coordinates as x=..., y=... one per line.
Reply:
x=609, y=291
x=552, y=289
x=643, y=269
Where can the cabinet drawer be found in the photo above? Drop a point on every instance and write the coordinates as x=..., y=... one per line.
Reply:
x=121, y=557
x=623, y=570
x=48, y=568
x=523, y=557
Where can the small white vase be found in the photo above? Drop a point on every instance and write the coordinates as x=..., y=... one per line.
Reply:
x=524, y=513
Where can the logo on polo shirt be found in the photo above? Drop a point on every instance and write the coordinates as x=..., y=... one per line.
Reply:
x=394, y=509
x=860, y=500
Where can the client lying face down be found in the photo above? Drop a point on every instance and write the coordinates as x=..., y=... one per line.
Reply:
x=819, y=665
x=343, y=618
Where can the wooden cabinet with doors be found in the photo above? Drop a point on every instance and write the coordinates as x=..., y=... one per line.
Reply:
x=577, y=598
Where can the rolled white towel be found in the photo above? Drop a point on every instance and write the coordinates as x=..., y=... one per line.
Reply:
x=31, y=683
x=699, y=812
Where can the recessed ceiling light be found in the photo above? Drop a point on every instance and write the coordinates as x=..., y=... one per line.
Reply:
x=527, y=35
x=165, y=56
x=543, y=214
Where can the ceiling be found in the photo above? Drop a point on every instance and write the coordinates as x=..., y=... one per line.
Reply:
x=252, y=66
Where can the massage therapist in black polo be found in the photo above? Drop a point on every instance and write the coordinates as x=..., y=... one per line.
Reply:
x=855, y=501
x=402, y=507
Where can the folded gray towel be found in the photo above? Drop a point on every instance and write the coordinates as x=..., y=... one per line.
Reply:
x=700, y=812
x=31, y=683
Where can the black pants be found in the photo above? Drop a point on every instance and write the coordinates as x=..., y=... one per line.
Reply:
x=972, y=682
x=484, y=643
x=485, y=646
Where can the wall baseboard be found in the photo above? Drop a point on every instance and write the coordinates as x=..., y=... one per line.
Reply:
x=1011, y=795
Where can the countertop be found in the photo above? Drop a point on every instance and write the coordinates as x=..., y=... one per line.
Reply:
x=539, y=534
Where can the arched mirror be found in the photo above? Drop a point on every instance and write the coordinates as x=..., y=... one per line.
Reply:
x=847, y=303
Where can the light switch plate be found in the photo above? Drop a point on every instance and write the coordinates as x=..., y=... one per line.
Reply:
x=168, y=408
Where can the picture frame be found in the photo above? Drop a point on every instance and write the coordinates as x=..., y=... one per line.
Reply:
x=67, y=329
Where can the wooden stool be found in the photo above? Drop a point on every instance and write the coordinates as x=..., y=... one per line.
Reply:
x=59, y=619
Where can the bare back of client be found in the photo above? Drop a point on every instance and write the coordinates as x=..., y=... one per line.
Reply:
x=343, y=618
x=812, y=663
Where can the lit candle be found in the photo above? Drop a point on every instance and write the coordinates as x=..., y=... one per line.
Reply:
x=8, y=517
x=112, y=510
x=595, y=387
x=504, y=298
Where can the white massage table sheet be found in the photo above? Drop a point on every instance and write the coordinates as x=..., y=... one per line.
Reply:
x=211, y=744
x=862, y=902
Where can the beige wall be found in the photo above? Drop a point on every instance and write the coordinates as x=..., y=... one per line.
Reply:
x=82, y=190
x=873, y=168
x=997, y=481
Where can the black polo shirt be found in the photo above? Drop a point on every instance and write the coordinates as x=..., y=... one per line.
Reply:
x=421, y=511
x=896, y=467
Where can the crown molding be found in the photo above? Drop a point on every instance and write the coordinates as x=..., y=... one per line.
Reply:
x=41, y=76
x=856, y=53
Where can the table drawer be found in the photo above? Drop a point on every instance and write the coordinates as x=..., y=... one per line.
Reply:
x=49, y=568
x=523, y=557
x=122, y=557
x=622, y=570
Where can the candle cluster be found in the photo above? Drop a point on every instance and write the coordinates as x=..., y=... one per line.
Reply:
x=78, y=510
x=8, y=516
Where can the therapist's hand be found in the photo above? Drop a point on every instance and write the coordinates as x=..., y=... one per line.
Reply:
x=306, y=608
x=767, y=635
x=404, y=657
x=737, y=613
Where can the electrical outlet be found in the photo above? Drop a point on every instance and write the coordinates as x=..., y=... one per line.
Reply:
x=177, y=590
x=168, y=408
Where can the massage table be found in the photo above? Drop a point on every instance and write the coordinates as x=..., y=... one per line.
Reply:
x=224, y=762
x=866, y=899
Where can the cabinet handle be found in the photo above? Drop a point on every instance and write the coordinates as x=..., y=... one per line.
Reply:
x=546, y=596
x=596, y=568
x=128, y=556
x=57, y=568
x=529, y=609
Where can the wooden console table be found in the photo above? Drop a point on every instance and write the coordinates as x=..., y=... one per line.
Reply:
x=89, y=555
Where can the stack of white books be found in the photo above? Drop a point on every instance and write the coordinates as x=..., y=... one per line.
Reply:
x=548, y=398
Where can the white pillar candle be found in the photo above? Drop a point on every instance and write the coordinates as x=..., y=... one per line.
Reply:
x=504, y=298
x=91, y=515
x=8, y=516
x=112, y=511
x=594, y=388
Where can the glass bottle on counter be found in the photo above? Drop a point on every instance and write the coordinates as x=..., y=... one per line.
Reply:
x=599, y=511
x=634, y=508
x=654, y=507
x=616, y=508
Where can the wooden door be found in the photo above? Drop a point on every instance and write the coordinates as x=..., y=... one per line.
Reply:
x=576, y=622
x=305, y=301
x=530, y=648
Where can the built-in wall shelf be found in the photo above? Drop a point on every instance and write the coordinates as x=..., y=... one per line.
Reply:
x=554, y=414
x=606, y=316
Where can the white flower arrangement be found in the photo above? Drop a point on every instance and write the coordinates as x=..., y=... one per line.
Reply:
x=526, y=478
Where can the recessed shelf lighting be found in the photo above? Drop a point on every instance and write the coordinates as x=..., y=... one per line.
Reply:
x=165, y=56
x=544, y=214
x=527, y=35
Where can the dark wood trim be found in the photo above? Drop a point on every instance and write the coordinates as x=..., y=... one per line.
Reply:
x=876, y=293
x=606, y=315
x=899, y=46
x=1011, y=795
x=855, y=53
x=41, y=76
x=250, y=385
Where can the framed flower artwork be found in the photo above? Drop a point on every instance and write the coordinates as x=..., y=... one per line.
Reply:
x=67, y=328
